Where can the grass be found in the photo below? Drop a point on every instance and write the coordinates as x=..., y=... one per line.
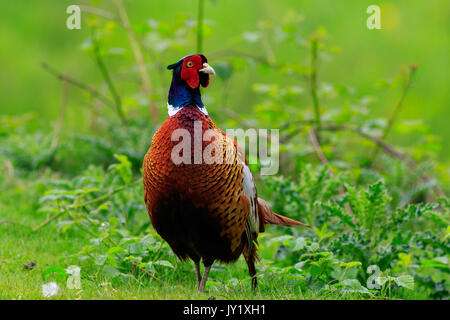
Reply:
x=308, y=264
x=46, y=247
x=19, y=246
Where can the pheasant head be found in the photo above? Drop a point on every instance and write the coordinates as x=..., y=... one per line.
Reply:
x=188, y=75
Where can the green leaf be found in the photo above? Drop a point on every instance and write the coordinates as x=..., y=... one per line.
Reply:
x=299, y=244
x=299, y=265
x=404, y=259
x=66, y=225
x=164, y=263
x=405, y=281
x=210, y=283
x=350, y=264
x=284, y=239
x=443, y=259
x=353, y=285
x=110, y=272
x=433, y=263
x=150, y=267
x=313, y=247
x=115, y=250
x=100, y=260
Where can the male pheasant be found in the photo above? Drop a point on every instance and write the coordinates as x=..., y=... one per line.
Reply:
x=204, y=205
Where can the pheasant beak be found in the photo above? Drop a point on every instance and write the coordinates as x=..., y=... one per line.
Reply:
x=207, y=69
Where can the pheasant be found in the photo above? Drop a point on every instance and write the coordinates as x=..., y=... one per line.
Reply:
x=206, y=210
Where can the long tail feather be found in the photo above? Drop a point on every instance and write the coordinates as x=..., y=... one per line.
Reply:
x=271, y=217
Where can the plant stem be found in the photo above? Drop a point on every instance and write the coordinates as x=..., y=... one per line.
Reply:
x=398, y=106
x=104, y=71
x=151, y=275
x=146, y=83
x=314, y=139
x=62, y=110
x=83, y=204
x=200, y=26
x=313, y=83
x=386, y=148
x=79, y=84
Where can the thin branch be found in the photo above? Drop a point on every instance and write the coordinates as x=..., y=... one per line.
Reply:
x=151, y=275
x=84, y=204
x=13, y=223
x=237, y=53
x=321, y=155
x=394, y=115
x=79, y=84
x=313, y=83
x=104, y=71
x=267, y=47
x=62, y=110
x=123, y=21
x=106, y=196
x=318, y=149
x=200, y=14
x=52, y=218
x=99, y=12
x=146, y=82
x=236, y=116
x=386, y=148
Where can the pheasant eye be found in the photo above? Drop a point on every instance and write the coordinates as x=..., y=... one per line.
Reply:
x=190, y=64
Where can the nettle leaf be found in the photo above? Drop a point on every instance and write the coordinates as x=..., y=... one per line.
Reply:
x=433, y=263
x=134, y=259
x=447, y=233
x=299, y=244
x=353, y=285
x=123, y=168
x=283, y=239
x=313, y=247
x=115, y=250
x=114, y=221
x=150, y=267
x=404, y=259
x=164, y=263
x=405, y=281
x=299, y=265
x=133, y=248
x=443, y=259
x=96, y=241
x=350, y=264
x=233, y=282
x=382, y=280
x=110, y=272
x=66, y=225
x=147, y=242
x=211, y=283
x=101, y=259
x=73, y=269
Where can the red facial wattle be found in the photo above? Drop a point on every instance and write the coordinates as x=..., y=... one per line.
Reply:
x=190, y=72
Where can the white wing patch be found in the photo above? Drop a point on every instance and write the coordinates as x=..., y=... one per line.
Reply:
x=252, y=223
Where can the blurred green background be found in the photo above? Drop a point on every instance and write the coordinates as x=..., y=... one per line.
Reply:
x=34, y=31
x=371, y=182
